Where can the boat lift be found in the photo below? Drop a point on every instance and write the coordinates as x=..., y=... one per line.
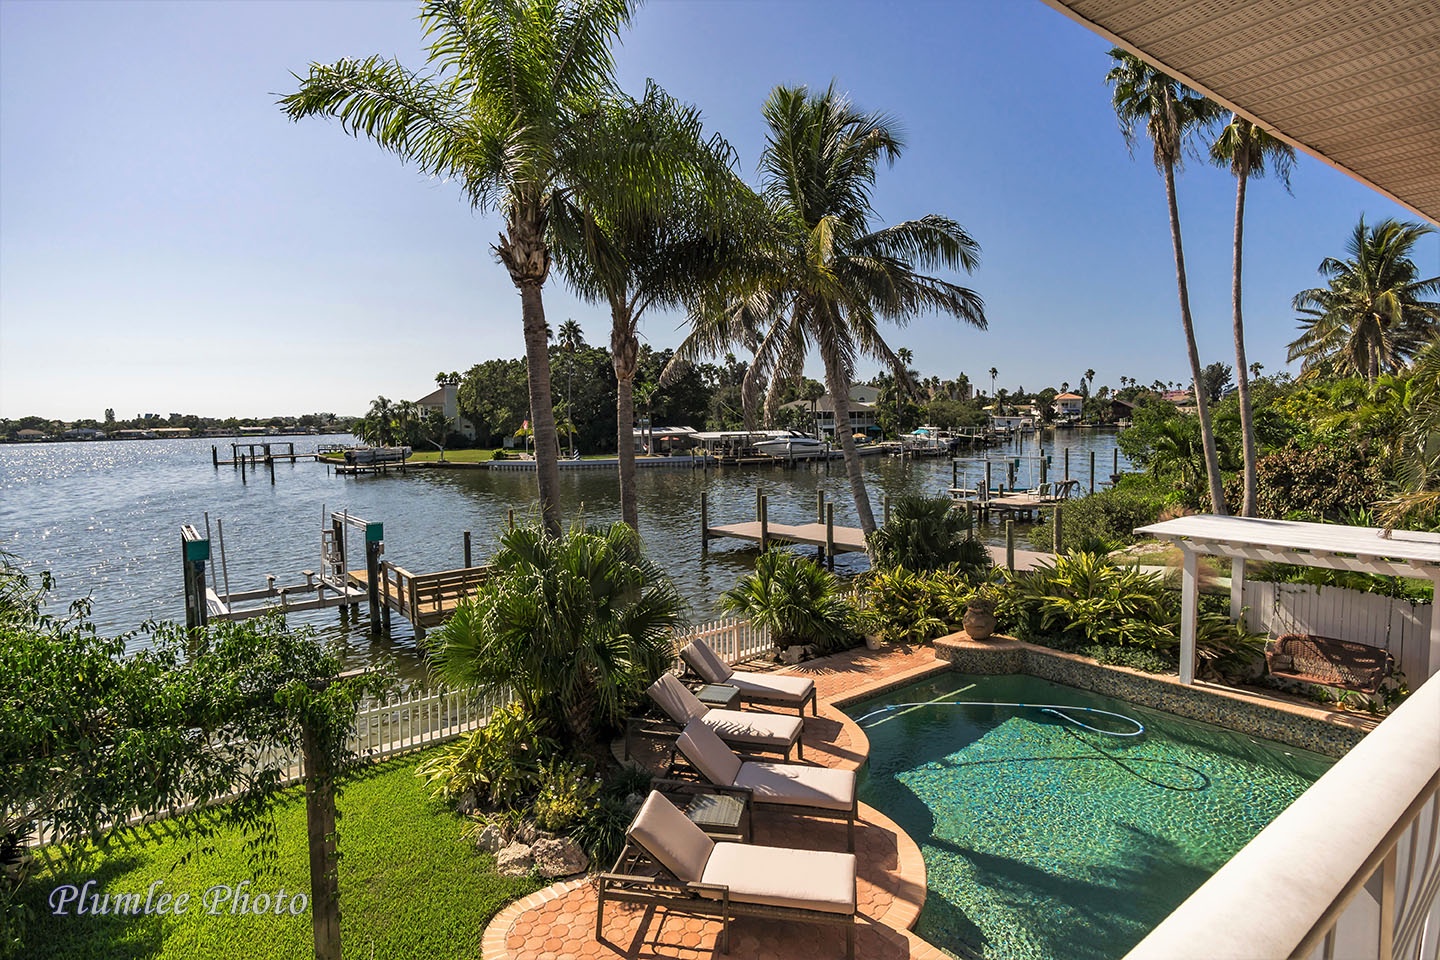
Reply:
x=331, y=588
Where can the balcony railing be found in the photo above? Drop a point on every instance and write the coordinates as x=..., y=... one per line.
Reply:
x=1350, y=870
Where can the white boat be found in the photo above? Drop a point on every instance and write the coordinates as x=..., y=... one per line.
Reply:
x=793, y=446
x=928, y=441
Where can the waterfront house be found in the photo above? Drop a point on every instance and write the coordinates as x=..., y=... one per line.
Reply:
x=1068, y=405
x=445, y=400
x=862, y=411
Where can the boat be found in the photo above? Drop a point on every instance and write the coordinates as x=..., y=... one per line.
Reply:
x=928, y=441
x=793, y=445
x=362, y=456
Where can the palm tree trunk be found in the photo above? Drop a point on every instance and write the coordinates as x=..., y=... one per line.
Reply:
x=1249, y=504
x=839, y=388
x=624, y=348
x=523, y=251
x=1202, y=403
x=542, y=410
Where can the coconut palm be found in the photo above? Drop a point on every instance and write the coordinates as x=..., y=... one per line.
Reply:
x=1247, y=150
x=829, y=275
x=993, y=374
x=576, y=627
x=510, y=111
x=632, y=258
x=1169, y=112
x=1370, y=318
x=381, y=417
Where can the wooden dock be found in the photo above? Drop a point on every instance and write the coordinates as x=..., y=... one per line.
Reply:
x=829, y=538
x=426, y=600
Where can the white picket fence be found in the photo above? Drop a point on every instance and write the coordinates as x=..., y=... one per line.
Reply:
x=421, y=718
x=734, y=639
x=1399, y=626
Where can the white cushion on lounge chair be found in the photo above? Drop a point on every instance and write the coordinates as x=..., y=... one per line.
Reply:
x=671, y=838
x=772, y=686
x=789, y=784
x=705, y=662
x=712, y=669
x=783, y=877
x=795, y=785
x=767, y=730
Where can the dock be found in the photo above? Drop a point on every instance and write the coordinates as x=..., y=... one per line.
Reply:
x=256, y=454
x=426, y=600
x=831, y=540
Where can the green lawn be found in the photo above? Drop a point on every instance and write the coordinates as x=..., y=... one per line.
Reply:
x=454, y=456
x=409, y=886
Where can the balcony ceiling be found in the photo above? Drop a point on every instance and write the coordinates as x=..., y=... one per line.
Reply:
x=1355, y=83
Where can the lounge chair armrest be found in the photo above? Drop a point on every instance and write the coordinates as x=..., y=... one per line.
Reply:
x=696, y=786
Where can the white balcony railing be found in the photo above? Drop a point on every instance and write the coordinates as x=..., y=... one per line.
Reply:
x=1351, y=870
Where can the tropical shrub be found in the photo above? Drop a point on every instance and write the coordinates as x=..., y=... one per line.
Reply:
x=500, y=763
x=576, y=627
x=1136, y=658
x=1106, y=520
x=928, y=533
x=1324, y=482
x=567, y=793
x=1086, y=599
x=798, y=600
x=912, y=607
x=601, y=832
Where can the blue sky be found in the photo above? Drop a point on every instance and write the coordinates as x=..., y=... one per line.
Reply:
x=169, y=242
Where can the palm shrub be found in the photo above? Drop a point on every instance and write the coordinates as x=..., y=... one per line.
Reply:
x=576, y=627
x=567, y=794
x=797, y=600
x=928, y=533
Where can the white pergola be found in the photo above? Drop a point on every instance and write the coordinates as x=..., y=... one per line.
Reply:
x=1404, y=553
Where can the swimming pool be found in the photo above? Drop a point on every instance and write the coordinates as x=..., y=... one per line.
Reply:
x=1046, y=839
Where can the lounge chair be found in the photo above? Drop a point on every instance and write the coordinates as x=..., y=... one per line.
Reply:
x=767, y=688
x=811, y=791
x=669, y=862
x=765, y=732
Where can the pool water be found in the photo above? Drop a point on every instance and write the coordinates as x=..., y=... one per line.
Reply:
x=1043, y=839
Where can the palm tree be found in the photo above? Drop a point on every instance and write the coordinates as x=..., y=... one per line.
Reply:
x=1169, y=112
x=510, y=112
x=575, y=627
x=831, y=277
x=993, y=374
x=633, y=258
x=1370, y=318
x=571, y=338
x=1246, y=149
x=381, y=416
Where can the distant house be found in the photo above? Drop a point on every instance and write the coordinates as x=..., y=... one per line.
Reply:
x=1068, y=405
x=1181, y=398
x=84, y=433
x=29, y=434
x=862, y=411
x=444, y=399
x=1121, y=409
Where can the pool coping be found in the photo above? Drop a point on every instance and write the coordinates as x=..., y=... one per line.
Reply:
x=1329, y=733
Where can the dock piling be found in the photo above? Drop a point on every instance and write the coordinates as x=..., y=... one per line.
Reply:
x=830, y=535
x=764, y=519
x=1067, y=464
x=987, y=479
x=820, y=505
x=1092, y=471
x=1010, y=545
x=215, y=456
x=1044, y=468
x=374, y=535
x=954, y=473
x=759, y=503
x=510, y=518
x=467, y=549
x=1059, y=528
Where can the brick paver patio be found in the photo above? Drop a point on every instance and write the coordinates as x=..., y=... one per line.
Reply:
x=558, y=923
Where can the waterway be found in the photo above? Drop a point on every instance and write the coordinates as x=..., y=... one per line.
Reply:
x=104, y=518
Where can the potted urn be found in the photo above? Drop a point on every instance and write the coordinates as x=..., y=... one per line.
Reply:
x=979, y=621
